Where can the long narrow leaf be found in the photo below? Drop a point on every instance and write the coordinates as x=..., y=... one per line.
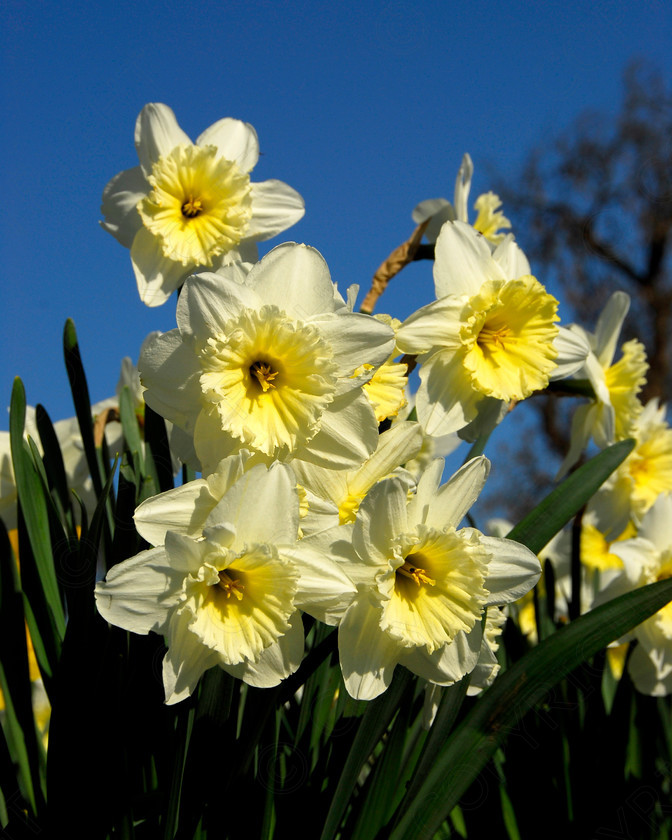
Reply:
x=33, y=506
x=501, y=709
x=375, y=721
x=555, y=511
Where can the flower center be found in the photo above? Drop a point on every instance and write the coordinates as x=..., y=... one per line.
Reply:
x=231, y=585
x=269, y=379
x=492, y=336
x=507, y=338
x=192, y=207
x=264, y=374
x=410, y=570
x=200, y=204
x=438, y=590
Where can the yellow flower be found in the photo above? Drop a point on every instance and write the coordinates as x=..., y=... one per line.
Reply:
x=490, y=219
x=266, y=361
x=199, y=207
x=191, y=205
x=491, y=334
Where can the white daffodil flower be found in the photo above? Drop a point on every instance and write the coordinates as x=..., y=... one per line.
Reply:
x=489, y=339
x=345, y=489
x=269, y=361
x=422, y=585
x=489, y=221
x=613, y=414
x=648, y=558
x=386, y=389
x=231, y=597
x=191, y=205
x=647, y=471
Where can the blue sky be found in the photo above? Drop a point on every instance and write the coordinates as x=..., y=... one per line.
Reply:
x=365, y=108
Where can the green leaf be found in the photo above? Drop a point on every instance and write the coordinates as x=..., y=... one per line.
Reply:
x=373, y=724
x=501, y=708
x=14, y=676
x=551, y=515
x=54, y=466
x=30, y=491
x=80, y=397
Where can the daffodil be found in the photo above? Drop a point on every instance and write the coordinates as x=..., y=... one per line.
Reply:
x=489, y=221
x=647, y=472
x=269, y=361
x=422, y=583
x=231, y=596
x=191, y=205
x=489, y=339
x=648, y=558
x=612, y=415
x=386, y=389
x=345, y=489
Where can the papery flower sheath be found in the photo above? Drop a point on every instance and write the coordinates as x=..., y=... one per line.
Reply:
x=191, y=205
x=422, y=584
x=272, y=361
x=231, y=596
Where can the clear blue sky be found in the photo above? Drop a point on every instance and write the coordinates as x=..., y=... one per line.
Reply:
x=365, y=108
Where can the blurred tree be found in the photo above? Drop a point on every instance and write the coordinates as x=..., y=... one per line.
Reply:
x=593, y=212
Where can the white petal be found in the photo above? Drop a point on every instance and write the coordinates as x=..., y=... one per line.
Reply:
x=235, y=140
x=296, y=279
x=573, y=350
x=348, y=434
x=275, y=207
x=428, y=208
x=156, y=134
x=399, y=444
x=209, y=301
x=120, y=202
x=428, y=487
x=651, y=674
x=511, y=259
x=609, y=327
x=264, y=506
x=438, y=211
x=356, y=339
x=657, y=524
x=175, y=510
x=463, y=261
x=462, y=187
x=325, y=591
x=139, y=593
x=512, y=571
x=157, y=276
x=276, y=662
x=437, y=324
x=450, y=663
x=452, y=501
x=186, y=660
x=382, y=516
x=170, y=372
x=368, y=656
x=211, y=443
x=445, y=402
x=582, y=427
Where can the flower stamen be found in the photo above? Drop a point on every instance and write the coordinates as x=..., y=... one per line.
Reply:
x=264, y=374
x=489, y=336
x=230, y=586
x=420, y=576
x=192, y=207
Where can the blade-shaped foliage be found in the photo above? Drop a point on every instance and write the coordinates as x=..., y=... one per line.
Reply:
x=513, y=694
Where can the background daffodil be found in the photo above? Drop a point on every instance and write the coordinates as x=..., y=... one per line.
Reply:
x=192, y=205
